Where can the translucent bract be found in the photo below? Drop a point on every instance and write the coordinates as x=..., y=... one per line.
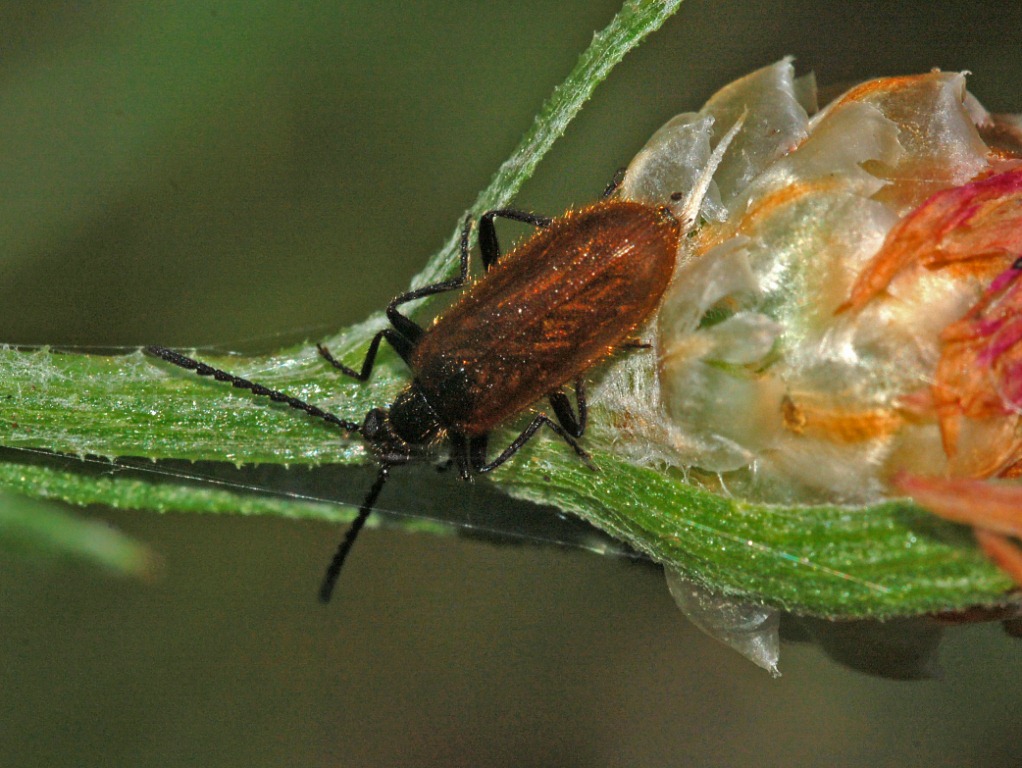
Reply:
x=845, y=322
x=811, y=344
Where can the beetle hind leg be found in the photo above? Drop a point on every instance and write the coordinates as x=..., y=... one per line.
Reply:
x=539, y=421
x=615, y=183
x=574, y=425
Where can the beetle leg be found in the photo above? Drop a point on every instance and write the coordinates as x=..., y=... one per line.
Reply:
x=460, y=448
x=635, y=344
x=573, y=425
x=527, y=433
x=406, y=332
x=489, y=247
x=400, y=344
x=408, y=328
x=615, y=183
x=476, y=453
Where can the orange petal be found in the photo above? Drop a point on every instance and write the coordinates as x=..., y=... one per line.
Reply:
x=1005, y=554
x=972, y=227
x=977, y=387
x=993, y=506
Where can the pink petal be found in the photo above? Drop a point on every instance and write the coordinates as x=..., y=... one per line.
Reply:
x=964, y=226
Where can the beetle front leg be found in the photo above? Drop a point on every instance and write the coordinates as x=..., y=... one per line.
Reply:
x=400, y=344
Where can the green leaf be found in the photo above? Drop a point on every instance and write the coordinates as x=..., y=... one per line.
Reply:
x=31, y=528
x=890, y=559
x=89, y=406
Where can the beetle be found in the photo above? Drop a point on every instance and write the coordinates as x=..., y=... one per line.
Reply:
x=540, y=316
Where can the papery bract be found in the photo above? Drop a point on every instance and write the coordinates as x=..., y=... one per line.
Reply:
x=848, y=312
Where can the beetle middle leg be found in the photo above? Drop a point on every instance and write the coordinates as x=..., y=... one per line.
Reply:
x=405, y=332
x=489, y=246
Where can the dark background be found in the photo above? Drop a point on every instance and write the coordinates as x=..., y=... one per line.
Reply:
x=206, y=173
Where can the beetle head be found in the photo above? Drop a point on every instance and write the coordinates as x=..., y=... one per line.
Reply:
x=409, y=422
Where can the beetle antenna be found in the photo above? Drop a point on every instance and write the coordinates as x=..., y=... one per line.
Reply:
x=326, y=589
x=182, y=361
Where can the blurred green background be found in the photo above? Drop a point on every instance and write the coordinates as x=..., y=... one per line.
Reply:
x=203, y=173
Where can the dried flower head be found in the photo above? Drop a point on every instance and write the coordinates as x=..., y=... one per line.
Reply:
x=846, y=321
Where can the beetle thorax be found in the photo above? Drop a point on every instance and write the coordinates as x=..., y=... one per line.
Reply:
x=411, y=418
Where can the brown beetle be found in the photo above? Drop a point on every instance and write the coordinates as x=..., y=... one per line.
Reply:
x=538, y=319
